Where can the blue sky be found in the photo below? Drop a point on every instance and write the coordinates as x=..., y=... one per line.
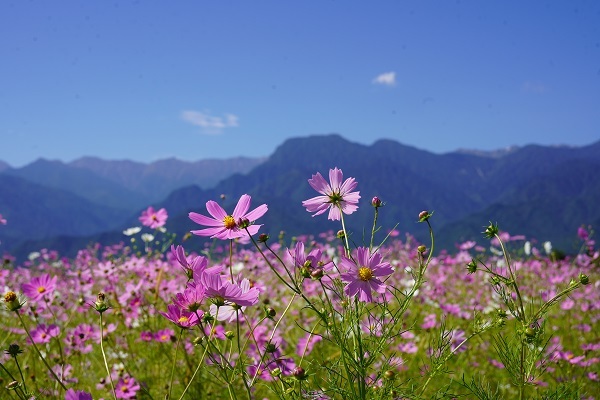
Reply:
x=214, y=79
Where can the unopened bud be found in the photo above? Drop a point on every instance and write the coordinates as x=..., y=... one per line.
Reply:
x=300, y=374
x=341, y=234
x=376, y=202
x=229, y=335
x=422, y=249
x=263, y=237
x=424, y=215
x=317, y=274
x=584, y=279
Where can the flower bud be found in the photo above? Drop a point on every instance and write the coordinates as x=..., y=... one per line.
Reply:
x=270, y=312
x=584, y=279
x=270, y=348
x=317, y=274
x=422, y=249
x=13, y=385
x=424, y=215
x=243, y=223
x=389, y=374
x=13, y=350
x=341, y=234
x=529, y=332
x=491, y=230
x=472, y=267
x=229, y=335
x=101, y=304
x=263, y=237
x=376, y=202
x=300, y=374
x=276, y=372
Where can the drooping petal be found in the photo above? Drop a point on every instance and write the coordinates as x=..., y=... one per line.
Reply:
x=334, y=213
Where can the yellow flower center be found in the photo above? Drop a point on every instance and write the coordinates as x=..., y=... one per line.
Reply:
x=183, y=320
x=41, y=289
x=229, y=222
x=154, y=217
x=365, y=273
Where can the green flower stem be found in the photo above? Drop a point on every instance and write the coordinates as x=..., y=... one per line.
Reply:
x=514, y=279
x=112, y=385
x=374, y=228
x=173, y=366
x=38, y=351
x=201, y=362
x=273, y=335
x=347, y=245
x=23, y=389
x=21, y=373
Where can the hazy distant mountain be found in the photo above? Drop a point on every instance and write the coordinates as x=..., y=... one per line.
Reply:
x=36, y=212
x=156, y=180
x=80, y=182
x=546, y=192
x=3, y=166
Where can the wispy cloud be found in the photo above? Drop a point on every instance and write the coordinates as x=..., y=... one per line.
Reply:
x=387, y=78
x=534, y=87
x=210, y=124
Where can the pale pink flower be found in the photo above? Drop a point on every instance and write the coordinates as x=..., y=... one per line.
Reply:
x=153, y=219
x=337, y=197
x=229, y=226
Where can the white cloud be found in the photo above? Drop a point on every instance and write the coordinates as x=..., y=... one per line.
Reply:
x=387, y=78
x=209, y=123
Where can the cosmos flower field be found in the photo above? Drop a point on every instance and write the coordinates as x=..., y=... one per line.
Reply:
x=325, y=317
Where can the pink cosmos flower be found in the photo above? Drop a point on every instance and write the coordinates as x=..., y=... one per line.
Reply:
x=126, y=388
x=222, y=290
x=362, y=276
x=227, y=226
x=153, y=219
x=181, y=318
x=2, y=220
x=39, y=287
x=43, y=334
x=227, y=312
x=337, y=196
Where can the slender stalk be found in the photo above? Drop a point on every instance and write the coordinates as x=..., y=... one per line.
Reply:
x=374, y=228
x=21, y=373
x=112, y=385
x=173, y=366
x=39, y=353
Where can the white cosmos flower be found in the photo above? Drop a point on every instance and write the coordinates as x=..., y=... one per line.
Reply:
x=132, y=231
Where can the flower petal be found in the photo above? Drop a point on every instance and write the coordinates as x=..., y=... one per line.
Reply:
x=215, y=210
x=204, y=220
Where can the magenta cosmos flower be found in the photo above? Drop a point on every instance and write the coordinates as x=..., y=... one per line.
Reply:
x=153, y=219
x=39, y=287
x=337, y=196
x=227, y=226
x=363, y=275
x=182, y=318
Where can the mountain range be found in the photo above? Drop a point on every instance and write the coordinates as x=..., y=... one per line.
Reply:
x=543, y=192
